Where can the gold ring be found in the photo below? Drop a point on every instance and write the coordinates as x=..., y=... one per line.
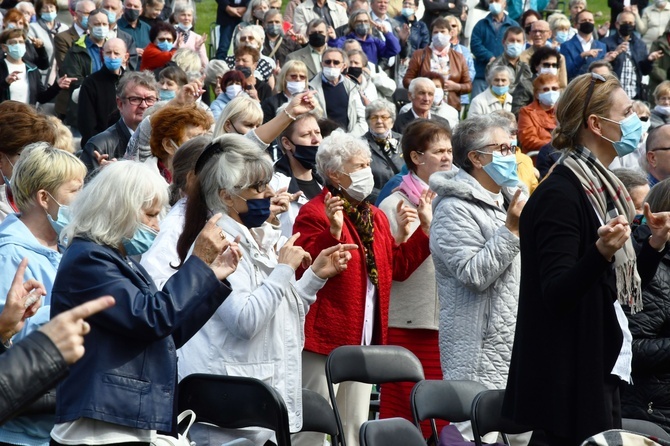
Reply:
x=222, y=235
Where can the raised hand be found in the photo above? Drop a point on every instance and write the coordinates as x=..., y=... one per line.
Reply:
x=332, y=261
x=612, y=236
x=425, y=209
x=23, y=301
x=406, y=216
x=514, y=212
x=293, y=255
x=226, y=262
x=67, y=330
x=64, y=82
x=335, y=214
x=659, y=224
x=211, y=241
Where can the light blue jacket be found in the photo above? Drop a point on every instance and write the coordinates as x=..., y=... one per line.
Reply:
x=219, y=104
x=16, y=243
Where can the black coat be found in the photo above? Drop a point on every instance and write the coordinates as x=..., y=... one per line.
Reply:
x=567, y=337
x=97, y=102
x=37, y=91
x=112, y=142
x=384, y=167
x=649, y=396
x=271, y=104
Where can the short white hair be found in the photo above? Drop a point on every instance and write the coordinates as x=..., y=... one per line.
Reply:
x=414, y=84
x=182, y=6
x=255, y=30
x=20, y=5
x=336, y=149
x=495, y=69
x=109, y=208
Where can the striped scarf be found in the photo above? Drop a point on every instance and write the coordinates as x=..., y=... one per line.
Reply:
x=609, y=199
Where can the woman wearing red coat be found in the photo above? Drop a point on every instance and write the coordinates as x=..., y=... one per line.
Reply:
x=163, y=45
x=352, y=309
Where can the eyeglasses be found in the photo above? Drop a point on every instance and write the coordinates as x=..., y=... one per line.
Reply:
x=247, y=39
x=164, y=39
x=549, y=65
x=332, y=62
x=505, y=149
x=259, y=187
x=644, y=118
x=380, y=118
x=136, y=100
x=594, y=77
x=538, y=31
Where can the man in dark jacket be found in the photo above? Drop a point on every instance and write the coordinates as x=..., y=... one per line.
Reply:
x=97, y=96
x=628, y=55
x=135, y=92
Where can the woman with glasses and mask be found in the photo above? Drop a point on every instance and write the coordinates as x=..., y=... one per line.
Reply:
x=258, y=331
x=123, y=389
x=164, y=44
x=474, y=240
x=352, y=308
x=292, y=79
x=44, y=182
x=579, y=267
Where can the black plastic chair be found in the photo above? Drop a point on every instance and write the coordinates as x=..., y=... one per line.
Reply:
x=370, y=364
x=444, y=400
x=390, y=432
x=645, y=427
x=318, y=416
x=487, y=417
x=235, y=402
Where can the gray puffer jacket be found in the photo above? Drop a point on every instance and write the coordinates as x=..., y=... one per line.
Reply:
x=477, y=267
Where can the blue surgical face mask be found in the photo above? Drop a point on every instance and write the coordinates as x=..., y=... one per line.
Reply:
x=258, y=211
x=100, y=32
x=499, y=90
x=16, y=51
x=549, y=98
x=48, y=16
x=165, y=46
x=141, y=242
x=631, y=133
x=112, y=64
x=62, y=219
x=502, y=169
x=183, y=27
x=111, y=16
x=561, y=36
x=514, y=49
x=407, y=12
x=495, y=8
x=84, y=22
x=167, y=95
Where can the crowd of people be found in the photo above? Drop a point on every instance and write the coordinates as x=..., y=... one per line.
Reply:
x=485, y=185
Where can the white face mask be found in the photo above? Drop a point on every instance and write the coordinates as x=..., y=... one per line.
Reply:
x=663, y=109
x=233, y=90
x=439, y=95
x=362, y=184
x=553, y=71
x=440, y=40
x=295, y=87
x=331, y=73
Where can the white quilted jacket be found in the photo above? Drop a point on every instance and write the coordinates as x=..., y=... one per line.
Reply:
x=477, y=267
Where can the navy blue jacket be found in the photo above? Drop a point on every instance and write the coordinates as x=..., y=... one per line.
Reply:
x=419, y=36
x=128, y=375
x=638, y=51
x=486, y=43
x=574, y=62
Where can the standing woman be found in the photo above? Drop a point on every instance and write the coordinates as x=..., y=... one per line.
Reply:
x=46, y=27
x=474, y=240
x=123, y=389
x=579, y=266
x=413, y=311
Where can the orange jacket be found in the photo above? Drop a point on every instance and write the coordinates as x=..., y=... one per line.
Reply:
x=154, y=58
x=535, y=126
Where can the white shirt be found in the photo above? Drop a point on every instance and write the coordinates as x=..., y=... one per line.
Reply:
x=369, y=316
x=586, y=44
x=18, y=90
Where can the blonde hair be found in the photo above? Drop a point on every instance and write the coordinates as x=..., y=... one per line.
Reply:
x=43, y=166
x=188, y=60
x=661, y=89
x=64, y=139
x=242, y=107
x=452, y=19
x=558, y=20
x=570, y=110
x=109, y=208
x=291, y=65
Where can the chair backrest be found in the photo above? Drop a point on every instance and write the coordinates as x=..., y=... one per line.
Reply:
x=318, y=416
x=645, y=427
x=391, y=432
x=487, y=417
x=234, y=402
x=371, y=364
x=443, y=399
